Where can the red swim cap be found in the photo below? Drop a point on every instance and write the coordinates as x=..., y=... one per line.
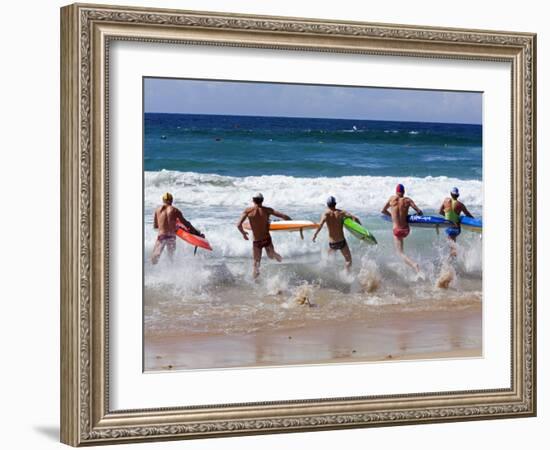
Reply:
x=400, y=188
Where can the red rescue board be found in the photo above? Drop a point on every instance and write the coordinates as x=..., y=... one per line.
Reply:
x=192, y=239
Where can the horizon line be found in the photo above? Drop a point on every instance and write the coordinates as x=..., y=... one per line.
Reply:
x=307, y=117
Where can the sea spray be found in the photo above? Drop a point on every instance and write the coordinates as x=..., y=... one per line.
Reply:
x=276, y=284
x=447, y=276
x=470, y=255
x=369, y=276
x=303, y=295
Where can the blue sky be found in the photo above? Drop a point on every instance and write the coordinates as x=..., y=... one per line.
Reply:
x=297, y=100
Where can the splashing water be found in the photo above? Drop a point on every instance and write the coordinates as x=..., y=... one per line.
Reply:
x=303, y=294
x=447, y=276
x=369, y=276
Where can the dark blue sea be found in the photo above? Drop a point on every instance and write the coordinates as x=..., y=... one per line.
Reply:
x=301, y=147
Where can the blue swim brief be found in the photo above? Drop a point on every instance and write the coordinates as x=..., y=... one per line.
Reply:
x=452, y=231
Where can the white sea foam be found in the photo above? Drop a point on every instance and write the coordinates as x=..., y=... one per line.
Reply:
x=363, y=194
x=213, y=204
x=443, y=158
x=215, y=290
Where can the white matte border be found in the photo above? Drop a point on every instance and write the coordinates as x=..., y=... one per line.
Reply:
x=132, y=389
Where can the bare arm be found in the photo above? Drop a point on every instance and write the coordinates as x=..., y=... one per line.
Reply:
x=351, y=216
x=155, y=221
x=416, y=208
x=321, y=223
x=280, y=214
x=190, y=228
x=243, y=217
x=385, y=209
x=442, y=209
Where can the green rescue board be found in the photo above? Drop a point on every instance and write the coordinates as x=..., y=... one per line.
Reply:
x=359, y=232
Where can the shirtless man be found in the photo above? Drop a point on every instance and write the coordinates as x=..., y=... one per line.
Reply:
x=400, y=205
x=165, y=220
x=451, y=208
x=258, y=217
x=334, y=218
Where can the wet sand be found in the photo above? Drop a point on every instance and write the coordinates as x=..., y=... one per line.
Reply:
x=386, y=336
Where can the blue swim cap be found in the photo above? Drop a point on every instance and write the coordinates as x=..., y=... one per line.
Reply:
x=454, y=191
x=331, y=201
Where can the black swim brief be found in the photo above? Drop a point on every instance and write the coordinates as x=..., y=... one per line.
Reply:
x=338, y=245
x=263, y=243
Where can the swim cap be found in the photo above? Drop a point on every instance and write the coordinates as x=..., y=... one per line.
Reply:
x=331, y=201
x=258, y=196
x=400, y=188
x=454, y=191
x=167, y=197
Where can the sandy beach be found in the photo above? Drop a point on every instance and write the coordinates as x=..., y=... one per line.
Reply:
x=385, y=336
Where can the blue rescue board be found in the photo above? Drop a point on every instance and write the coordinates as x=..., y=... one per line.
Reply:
x=415, y=220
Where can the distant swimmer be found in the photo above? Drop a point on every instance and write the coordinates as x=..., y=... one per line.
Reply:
x=334, y=218
x=258, y=217
x=165, y=220
x=451, y=208
x=400, y=205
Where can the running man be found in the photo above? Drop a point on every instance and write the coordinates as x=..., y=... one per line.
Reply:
x=451, y=208
x=258, y=217
x=166, y=221
x=334, y=218
x=400, y=205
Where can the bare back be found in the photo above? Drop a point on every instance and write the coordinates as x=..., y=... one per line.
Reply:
x=334, y=219
x=166, y=217
x=258, y=217
x=448, y=205
x=399, y=209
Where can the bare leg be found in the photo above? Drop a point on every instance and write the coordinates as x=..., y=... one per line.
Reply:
x=171, y=249
x=347, y=256
x=452, y=244
x=257, y=252
x=399, y=247
x=157, y=251
x=272, y=254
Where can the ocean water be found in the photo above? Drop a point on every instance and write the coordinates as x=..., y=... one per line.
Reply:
x=213, y=164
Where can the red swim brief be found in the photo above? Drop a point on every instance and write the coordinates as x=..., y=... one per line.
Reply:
x=401, y=233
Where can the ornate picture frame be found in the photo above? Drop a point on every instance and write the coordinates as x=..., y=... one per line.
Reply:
x=87, y=32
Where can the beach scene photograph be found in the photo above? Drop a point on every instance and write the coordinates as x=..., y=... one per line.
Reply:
x=293, y=224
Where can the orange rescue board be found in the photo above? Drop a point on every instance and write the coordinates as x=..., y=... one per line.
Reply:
x=288, y=225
